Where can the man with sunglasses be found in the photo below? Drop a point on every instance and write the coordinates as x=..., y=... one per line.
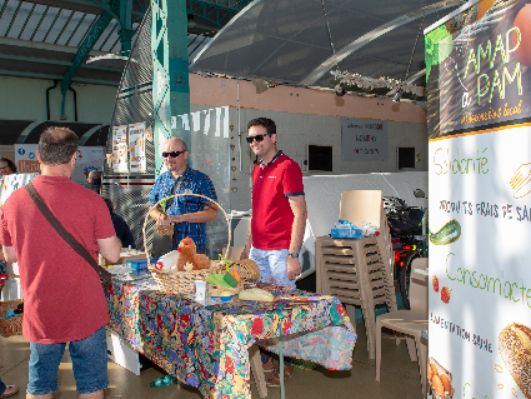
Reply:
x=189, y=214
x=279, y=214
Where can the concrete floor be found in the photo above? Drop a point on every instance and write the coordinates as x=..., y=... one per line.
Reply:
x=399, y=379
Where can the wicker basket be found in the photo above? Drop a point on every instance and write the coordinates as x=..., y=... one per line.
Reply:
x=182, y=282
x=12, y=326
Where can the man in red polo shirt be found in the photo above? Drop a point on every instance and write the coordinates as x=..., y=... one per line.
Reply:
x=279, y=207
x=279, y=215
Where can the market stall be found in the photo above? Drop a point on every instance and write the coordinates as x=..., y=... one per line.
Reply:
x=207, y=347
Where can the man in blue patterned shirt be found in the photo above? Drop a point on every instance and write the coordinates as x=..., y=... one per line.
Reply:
x=189, y=214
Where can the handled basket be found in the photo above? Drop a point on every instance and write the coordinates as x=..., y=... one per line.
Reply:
x=182, y=281
x=12, y=326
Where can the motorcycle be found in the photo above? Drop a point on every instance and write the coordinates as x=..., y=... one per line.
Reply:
x=408, y=239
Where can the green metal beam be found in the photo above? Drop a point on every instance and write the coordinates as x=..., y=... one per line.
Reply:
x=52, y=61
x=171, y=89
x=126, y=26
x=52, y=76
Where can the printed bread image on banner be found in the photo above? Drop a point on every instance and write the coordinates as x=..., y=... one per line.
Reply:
x=478, y=73
x=514, y=346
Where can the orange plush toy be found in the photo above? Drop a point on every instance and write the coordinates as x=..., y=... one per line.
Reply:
x=189, y=259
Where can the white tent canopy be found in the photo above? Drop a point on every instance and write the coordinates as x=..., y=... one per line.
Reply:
x=300, y=41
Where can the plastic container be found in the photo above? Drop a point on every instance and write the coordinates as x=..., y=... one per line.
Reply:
x=138, y=265
x=355, y=234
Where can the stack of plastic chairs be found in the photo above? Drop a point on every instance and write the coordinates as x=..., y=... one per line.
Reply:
x=358, y=272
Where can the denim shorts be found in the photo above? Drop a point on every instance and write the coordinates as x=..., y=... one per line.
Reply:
x=273, y=265
x=89, y=360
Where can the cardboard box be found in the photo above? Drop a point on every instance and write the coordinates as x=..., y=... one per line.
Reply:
x=361, y=206
x=121, y=353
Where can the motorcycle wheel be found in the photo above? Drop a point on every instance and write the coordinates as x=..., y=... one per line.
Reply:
x=404, y=274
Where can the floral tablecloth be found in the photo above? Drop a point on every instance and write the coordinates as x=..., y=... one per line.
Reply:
x=207, y=346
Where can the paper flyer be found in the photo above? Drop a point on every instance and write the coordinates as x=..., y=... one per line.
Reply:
x=137, y=147
x=120, y=149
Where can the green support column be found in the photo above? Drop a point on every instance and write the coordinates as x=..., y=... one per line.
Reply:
x=171, y=89
x=126, y=26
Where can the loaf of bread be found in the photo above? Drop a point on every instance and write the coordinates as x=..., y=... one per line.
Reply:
x=248, y=269
x=514, y=346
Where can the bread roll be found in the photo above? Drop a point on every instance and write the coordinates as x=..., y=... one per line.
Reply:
x=514, y=346
x=248, y=269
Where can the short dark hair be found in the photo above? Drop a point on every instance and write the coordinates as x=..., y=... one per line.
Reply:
x=269, y=124
x=10, y=164
x=57, y=145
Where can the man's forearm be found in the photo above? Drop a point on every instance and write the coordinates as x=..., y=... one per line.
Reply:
x=297, y=232
x=206, y=215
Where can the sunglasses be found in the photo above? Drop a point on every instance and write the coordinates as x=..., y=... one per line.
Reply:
x=173, y=154
x=258, y=138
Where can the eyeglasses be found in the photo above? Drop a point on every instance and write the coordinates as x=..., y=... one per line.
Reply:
x=173, y=154
x=258, y=137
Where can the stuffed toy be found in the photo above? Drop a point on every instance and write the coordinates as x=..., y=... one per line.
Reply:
x=189, y=259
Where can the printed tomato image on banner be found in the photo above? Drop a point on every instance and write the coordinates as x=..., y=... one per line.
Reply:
x=446, y=294
x=522, y=21
x=435, y=283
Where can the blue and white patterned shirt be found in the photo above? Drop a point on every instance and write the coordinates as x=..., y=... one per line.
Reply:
x=192, y=181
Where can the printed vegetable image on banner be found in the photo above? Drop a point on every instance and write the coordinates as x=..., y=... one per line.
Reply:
x=479, y=122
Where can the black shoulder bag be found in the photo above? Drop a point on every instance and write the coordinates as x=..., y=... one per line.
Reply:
x=104, y=275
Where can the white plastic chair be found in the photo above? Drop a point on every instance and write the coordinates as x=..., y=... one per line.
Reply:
x=409, y=322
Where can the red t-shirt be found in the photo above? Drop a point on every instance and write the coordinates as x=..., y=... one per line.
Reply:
x=63, y=297
x=273, y=184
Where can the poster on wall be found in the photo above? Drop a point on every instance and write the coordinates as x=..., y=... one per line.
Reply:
x=137, y=147
x=119, y=149
x=363, y=140
x=87, y=158
x=478, y=65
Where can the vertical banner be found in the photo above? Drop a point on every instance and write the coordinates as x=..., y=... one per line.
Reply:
x=137, y=147
x=478, y=65
x=119, y=149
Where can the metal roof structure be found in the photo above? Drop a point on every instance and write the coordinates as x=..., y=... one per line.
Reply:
x=53, y=39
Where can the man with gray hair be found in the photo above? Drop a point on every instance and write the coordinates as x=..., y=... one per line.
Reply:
x=63, y=297
x=189, y=214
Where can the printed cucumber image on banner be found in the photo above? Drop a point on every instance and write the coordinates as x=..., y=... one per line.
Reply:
x=447, y=234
